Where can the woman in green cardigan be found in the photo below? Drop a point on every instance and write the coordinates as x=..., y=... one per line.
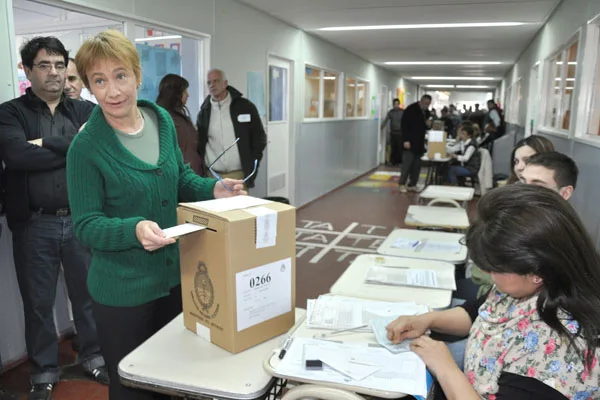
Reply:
x=126, y=176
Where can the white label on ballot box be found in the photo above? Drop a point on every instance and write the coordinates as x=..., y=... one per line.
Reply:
x=266, y=226
x=263, y=293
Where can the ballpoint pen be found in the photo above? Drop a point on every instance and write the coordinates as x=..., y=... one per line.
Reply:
x=286, y=346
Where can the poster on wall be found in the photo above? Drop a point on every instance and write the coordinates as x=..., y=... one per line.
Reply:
x=400, y=95
x=156, y=63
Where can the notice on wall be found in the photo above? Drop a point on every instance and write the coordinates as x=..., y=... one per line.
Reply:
x=263, y=293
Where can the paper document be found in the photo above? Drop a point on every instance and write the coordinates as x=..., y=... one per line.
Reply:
x=402, y=373
x=263, y=293
x=336, y=313
x=231, y=203
x=378, y=326
x=342, y=363
x=183, y=229
x=266, y=226
x=411, y=277
x=426, y=246
x=436, y=136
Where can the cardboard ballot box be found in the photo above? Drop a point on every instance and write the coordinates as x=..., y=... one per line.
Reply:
x=436, y=144
x=238, y=276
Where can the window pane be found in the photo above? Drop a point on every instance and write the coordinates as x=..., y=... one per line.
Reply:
x=569, y=85
x=330, y=95
x=312, y=81
x=363, y=91
x=554, y=91
x=350, y=96
x=277, y=93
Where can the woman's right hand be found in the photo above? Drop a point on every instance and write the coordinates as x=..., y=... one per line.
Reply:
x=151, y=236
x=407, y=327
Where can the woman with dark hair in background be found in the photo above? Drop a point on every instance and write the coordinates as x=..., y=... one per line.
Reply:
x=536, y=334
x=524, y=149
x=172, y=96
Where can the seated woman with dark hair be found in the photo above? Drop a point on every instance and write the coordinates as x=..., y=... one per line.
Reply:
x=536, y=334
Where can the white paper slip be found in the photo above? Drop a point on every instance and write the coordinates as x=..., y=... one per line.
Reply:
x=337, y=313
x=378, y=326
x=266, y=226
x=411, y=277
x=183, y=229
x=426, y=246
x=231, y=203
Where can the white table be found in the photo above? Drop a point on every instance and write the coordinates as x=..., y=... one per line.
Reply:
x=387, y=247
x=177, y=362
x=352, y=282
x=437, y=217
x=337, y=391
x=457, y=193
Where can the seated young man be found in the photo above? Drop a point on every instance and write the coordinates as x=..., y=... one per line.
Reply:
x=468, y=159
x=553, y=170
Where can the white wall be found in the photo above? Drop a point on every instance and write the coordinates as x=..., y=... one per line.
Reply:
x=470, y=97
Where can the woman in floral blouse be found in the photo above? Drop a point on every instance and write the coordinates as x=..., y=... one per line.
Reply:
x=536, y=334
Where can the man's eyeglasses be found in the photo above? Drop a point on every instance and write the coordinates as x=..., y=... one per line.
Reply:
x=218, y=177
x=47, y=67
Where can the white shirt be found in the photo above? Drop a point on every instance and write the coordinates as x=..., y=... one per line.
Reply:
x=460, y=147
x=220, y=136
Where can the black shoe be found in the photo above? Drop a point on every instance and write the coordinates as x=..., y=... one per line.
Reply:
x=100, y=375
x=4, y=395
x=41, y=391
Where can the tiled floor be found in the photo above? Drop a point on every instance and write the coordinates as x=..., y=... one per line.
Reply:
x=330, y=233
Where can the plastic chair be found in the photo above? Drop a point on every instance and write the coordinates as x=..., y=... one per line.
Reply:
x=444, y=201
x=319, y=392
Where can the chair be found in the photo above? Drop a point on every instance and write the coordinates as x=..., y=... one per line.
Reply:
x=452, y=202
x=319, y=392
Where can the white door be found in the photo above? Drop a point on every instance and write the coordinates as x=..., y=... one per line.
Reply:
x=278, y=127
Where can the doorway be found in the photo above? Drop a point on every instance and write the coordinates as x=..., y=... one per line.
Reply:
x=278, y=126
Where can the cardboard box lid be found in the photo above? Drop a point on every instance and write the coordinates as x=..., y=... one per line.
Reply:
x=232, y=208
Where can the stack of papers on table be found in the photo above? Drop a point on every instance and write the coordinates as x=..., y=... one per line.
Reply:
x=356, y=364
x=402, y=276
x=337, y=312
x=426, y=245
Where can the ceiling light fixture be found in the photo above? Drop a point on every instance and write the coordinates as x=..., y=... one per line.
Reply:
x=474, y=87
x=443, y=62
x=147, y=39
x=454, y=78
x=439, y=86
x=422, y=26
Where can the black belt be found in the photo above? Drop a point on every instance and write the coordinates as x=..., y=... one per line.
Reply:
x=59, y=212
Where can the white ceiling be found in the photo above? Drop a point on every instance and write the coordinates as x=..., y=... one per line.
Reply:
x=503, y=44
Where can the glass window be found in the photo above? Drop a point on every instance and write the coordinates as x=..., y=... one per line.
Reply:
x=350, y=97
x=312, y=89
x=277, y=93
x=594, y=123
x=330, y=94
x=362, y=88
x=561, y=88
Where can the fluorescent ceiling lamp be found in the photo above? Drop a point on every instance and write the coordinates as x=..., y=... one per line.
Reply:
x=567, y=79
x=567, y=88
x=147, y=39
x=443, y=62
x=454, y=78
x=473, y=87
x=570, y=63
x=330, y=77
x=439, y=86
x=421, y=26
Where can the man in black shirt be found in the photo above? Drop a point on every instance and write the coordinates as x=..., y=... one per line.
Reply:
x=36, y=130
x=413, y=138
x=394, y=116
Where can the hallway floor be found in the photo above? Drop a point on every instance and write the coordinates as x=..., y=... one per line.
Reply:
x=330, y=233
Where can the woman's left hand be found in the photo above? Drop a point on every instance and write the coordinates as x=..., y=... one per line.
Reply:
x=435, y=354
x=235, y=187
